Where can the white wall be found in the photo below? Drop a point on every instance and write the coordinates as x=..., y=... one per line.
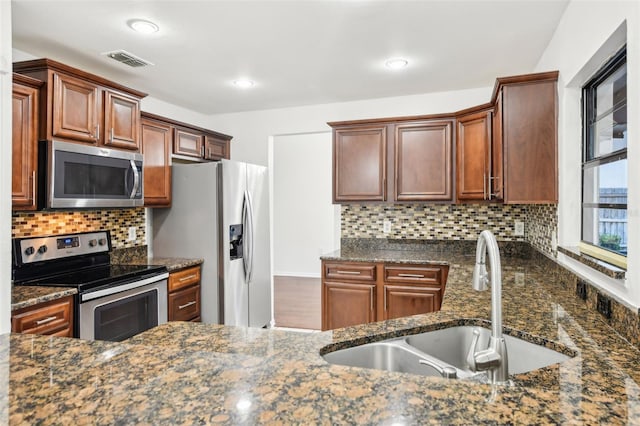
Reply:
x=5, y=166
x=251, y=130
x=589, y=32
x=305, y=222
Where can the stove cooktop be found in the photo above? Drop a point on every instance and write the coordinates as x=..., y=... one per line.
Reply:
x=97, y=276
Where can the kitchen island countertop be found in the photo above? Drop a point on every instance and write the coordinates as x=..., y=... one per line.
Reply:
x=197, y=373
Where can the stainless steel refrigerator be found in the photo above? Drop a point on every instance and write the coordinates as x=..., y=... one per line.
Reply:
x=220, y=212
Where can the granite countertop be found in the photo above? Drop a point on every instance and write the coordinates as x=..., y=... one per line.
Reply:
x=184, y=373
x=24, y=296
x=171, y=263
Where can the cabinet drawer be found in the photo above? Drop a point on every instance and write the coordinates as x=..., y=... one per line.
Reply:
x=184, y=305
x=350, y=271
x=424, y=274
x=51, y=318
x=184, y=278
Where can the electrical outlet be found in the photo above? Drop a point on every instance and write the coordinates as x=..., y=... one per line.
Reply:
x=518, y=229
x=386, y=226
x=604, y=306
x=132, y=233
x=581, y=289
x=519, y=278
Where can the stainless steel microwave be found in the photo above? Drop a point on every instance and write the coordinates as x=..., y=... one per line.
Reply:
x=84, y=176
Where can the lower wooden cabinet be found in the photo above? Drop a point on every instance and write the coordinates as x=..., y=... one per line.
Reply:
x=361, y=292
x=347, y=304
x=184, y=295
x=53, y=318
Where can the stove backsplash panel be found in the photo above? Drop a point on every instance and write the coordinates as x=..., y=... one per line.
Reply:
x=118, y=221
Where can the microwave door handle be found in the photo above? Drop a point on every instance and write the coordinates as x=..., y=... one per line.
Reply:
x=136, y=179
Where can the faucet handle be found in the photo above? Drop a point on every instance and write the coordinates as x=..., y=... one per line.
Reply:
x=471, y=355
x=480, y=277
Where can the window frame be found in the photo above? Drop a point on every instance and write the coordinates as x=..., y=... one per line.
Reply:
x=590, y=159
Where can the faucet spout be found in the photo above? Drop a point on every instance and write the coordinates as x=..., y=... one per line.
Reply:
x=494, y=358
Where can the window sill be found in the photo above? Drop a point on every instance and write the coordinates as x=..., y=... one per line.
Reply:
x=600, y=266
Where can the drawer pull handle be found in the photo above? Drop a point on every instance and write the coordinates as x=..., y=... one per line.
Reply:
x=186, y=305
x=348, y=272
x=188, y=277
x=411, y=275
x=46, y=320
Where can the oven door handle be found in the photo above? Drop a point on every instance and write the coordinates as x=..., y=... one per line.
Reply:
x=85, y=297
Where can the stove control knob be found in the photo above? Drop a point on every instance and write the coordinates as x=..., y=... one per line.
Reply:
x=29, y=251
x=102, y=241
x=42, y=249
x=92, y=243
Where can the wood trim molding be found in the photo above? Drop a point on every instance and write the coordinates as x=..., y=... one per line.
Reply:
x=177, y=123
x=45, y=64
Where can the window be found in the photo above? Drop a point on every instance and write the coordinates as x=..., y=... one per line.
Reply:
x=604, y=163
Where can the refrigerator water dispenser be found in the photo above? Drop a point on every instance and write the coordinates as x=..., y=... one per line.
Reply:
x=235, y=242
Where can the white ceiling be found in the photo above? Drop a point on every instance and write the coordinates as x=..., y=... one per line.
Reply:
x=298, y=52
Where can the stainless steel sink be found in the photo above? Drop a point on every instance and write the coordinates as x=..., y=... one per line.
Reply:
x=442, y=353
x=390, y=355
x=452, y=346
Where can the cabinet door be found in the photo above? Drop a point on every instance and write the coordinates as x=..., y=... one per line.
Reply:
x=423, y=162
x=404, y=301
x=50, y=318
x=473, y=150
x=496, y=152
x=188, y=143
x=76, y=109
x=530, y=143
x=24, y=147
x=184, y=305
x=157, y=138
x=346, y=304
x=215, y=148
x=359, y=164
x=121, y=121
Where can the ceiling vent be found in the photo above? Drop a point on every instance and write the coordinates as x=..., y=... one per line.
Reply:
x=127, y=58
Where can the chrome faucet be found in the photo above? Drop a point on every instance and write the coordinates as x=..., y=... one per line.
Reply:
x=494, y=358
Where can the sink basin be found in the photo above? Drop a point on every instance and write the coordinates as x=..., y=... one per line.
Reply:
x=431, y=353
x=389, y=355
x=452, y=346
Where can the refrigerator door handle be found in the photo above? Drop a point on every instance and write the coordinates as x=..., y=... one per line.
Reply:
x=250, y=230
x=246, y=238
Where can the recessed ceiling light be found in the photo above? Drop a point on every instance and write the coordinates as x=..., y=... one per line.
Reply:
x=396, y=63
x=243, y=83
x=143, y=27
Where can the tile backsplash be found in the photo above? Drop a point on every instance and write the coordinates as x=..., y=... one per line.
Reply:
x=118, y=221
x=452, y=222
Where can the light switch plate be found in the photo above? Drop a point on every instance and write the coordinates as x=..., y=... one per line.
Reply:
x=386, y=226
x=132, y=233
x=518, y=229
x=519, y=278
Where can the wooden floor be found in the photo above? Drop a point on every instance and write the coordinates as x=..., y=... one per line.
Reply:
x=297, y=302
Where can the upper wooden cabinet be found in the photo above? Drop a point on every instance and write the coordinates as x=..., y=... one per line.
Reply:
x=505, y=150
x=189, y=143
x=423, y=161
x=419, y=161
x=527, y=129
x=157, y=139
x=80, y=107
x=24, y=142
x=474, y=155
x=216, y=148
x=359, y=163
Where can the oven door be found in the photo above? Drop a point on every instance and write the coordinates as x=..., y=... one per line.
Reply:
x=88, y=176
x=118, y=315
